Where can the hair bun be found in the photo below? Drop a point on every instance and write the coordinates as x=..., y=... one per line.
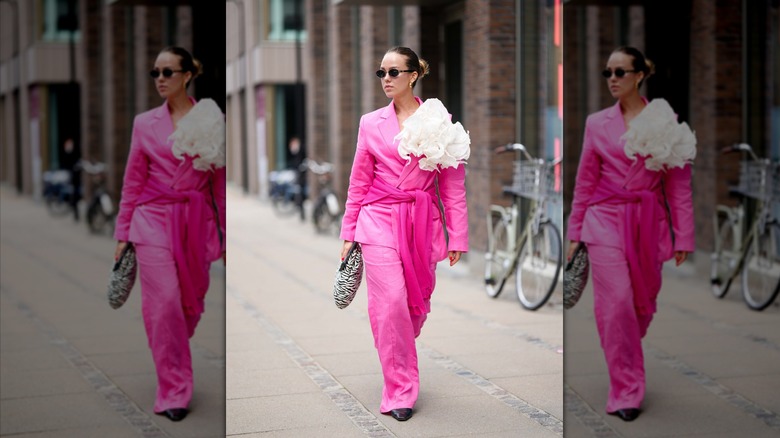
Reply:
x=650, y=66
x=424, y=68
x=198, y=68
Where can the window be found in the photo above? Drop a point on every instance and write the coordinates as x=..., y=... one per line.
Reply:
x=60, y=17
x=287, y=20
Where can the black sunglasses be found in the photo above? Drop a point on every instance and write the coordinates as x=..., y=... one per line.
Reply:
x=393, y=72
x=166, y=72
x=619, y=72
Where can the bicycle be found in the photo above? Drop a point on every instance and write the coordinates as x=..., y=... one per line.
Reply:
x=286, y=192
x=58, y=191
x=752, y=251
x=100, y=210
x=537, y=255
x=326, y=214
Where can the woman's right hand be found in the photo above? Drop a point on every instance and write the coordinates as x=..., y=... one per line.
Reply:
x=573, y=244
x=345, y=249
x=120, y=246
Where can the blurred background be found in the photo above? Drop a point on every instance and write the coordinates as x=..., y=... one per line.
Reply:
x=305, y=69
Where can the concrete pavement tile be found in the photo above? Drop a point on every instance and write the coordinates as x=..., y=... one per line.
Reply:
x=758, y=362
x=283, y=412
x=257, y=339
x=34, y=383
x=510, y=363
x=263, y=383
x=263, y=359
x=212, y=343
x=361, y=341
x=545, y=391
x=50, y=413
x=11, y=343
x=592, y=389
x=367, y=388
x=37, y=359
x=687, y=415
x=711, y=343
x=140, y=388
x=512, y=433
x=349, y=364
x=102, y=344
x=479, y=344
x=119, y=364
x=327, y=431
x=470, y=415
x=86, y=432
x=763, y=390
x=666, y=382
x=583, y=363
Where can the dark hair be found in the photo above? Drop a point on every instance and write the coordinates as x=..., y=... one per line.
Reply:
x=639, y=62
x=187, y=62
x=413, y=62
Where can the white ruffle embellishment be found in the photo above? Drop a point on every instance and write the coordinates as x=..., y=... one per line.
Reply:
x=201, y=135
x=430, y=135
x=655, y=134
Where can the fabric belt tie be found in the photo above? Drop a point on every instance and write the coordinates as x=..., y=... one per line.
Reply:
x=638, y=228
x=187, y=231
x=414, y=229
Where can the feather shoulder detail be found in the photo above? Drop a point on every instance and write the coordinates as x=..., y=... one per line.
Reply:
x=200, y=134
x=430, y=134
x=655, y=134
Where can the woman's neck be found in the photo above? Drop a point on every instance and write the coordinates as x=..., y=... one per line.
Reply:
x=632, y=105
x=406, y=104
x=179, y=104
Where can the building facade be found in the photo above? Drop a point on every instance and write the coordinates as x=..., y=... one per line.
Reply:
x=496, y=65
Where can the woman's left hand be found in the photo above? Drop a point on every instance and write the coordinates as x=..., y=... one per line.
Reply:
x=454, y=257
x=680, y=257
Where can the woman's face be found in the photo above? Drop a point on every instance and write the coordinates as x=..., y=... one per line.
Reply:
x=175, y=84
x=396, y=86
x=629, y=83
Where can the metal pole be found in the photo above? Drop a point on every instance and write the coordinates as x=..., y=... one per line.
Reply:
x=17, y=111
x=243, y=81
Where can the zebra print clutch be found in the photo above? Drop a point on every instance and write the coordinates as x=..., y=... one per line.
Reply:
x=575, y=277
x=348, y=277
x=122, y=278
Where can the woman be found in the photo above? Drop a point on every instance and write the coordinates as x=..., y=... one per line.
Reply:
x=173, y=212
x=612, y=197
x=385, y=195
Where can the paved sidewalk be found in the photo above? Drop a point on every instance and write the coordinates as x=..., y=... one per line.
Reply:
x=299, y=367
x=70, y=366
x=713, y=367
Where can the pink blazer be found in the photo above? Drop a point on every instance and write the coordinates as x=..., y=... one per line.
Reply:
x=603, y=162
x=377, y=156
x=151, y=160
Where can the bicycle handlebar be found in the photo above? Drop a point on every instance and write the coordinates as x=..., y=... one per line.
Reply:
x=739, y=147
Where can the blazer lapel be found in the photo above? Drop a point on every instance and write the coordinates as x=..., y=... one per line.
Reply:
x=162, y=124
x=388, y=124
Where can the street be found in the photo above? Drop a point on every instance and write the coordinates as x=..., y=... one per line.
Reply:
x=712, y=366
x=298, y=366
x=71, y=366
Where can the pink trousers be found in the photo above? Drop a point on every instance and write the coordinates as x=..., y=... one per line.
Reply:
x=168, y=329
x=394, y=327
x=620, y=327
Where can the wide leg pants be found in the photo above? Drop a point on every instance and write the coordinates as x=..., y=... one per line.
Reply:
x=620, y=327
x=168, y=329
x=393, y=326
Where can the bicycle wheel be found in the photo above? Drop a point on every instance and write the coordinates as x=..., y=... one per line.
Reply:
x=285, y=204
x=498, y=258
x=538, y=266
x=725, y=257
x=323, y=220
x=761, y=270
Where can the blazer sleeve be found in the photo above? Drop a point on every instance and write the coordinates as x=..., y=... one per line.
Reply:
x=586, y=181
x=360, y=181
x=136, y=173
x=219, y=185
x=452, y=192
x=679, y=197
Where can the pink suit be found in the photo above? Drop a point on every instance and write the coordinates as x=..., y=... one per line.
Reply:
x=619, y=211
x=392, y=210
x=167, y=211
